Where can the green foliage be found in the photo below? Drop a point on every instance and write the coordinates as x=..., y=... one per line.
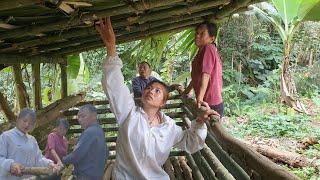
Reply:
x=308, y=81
x=249, y=49
x=73, y=66
x=282, y=125
x=306, y=173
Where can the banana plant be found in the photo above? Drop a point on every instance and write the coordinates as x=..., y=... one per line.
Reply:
x=286, y=16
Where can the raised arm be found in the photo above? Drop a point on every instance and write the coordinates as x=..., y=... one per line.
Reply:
x=121, y=102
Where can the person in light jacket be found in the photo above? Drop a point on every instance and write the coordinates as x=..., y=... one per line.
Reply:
x=146, y=135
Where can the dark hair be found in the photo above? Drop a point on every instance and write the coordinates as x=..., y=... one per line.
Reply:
x=63, y=122
x=144, y=62
x=89, y=107
x=27, y=112
x=166, y=87
x=212, y=28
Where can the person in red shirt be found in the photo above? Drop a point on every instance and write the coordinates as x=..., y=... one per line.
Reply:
x=57, y=144
x=206, y=73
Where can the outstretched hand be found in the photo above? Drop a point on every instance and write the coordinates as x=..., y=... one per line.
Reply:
x=107, y=35
x=205, y=113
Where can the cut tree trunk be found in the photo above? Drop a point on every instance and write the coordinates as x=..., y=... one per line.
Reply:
x=49, y=114
x=56, y=109
x=287, y=85
x=286, y=157
x=4, y=105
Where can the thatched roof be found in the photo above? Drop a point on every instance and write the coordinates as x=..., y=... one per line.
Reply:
x=46, y=28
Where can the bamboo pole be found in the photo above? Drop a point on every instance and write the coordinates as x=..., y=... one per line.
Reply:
x=19, y=59
x=20, y=87
x=95, y=45
x=229, y=9
x=108, y=172
x=196, y=174
x=5, y=108
x=37, y=171
x=187, y=174
x=91, y=32
x=36, y=83
x=223, y=157
x=220, y=171
x=204, y=167
x=169, y=169
x=176, y=167
x=177, y=11
x=11, y=4
x=63, y=24
x=250, y=158
x=260, y=164
x=64, y=80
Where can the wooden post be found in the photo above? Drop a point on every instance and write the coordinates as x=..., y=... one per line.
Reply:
x=20, y=87
x=36, y=84
x=64, y=80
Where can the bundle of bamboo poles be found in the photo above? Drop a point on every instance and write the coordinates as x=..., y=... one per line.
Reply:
x=54, y=34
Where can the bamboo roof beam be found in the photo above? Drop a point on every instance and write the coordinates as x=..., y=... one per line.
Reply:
x=11, y=4
x=177, y=11
x=91, y=31
x=126, y=38
x=66, y=23
x=229, y=9
x=17, y=59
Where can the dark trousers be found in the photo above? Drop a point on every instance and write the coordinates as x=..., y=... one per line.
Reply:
x=219, y=108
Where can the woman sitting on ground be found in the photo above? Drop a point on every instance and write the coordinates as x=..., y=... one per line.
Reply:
x=146, y=135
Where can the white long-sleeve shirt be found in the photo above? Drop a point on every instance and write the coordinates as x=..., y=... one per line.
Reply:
x=141, y=149
x=15, y=146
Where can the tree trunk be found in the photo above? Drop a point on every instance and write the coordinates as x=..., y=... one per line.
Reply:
x=56, y=109
x=287, y=85
x=4, y=105
x=20, y=87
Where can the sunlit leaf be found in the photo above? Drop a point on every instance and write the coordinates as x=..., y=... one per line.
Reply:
x=73, y=66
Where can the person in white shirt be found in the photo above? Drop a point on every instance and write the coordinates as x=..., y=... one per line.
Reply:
x=18, y=149
x=146, y=135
